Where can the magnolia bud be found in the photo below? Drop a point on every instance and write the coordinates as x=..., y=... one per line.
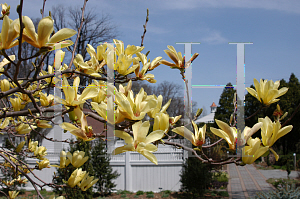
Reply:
x=286, y=113
x=199, y=111
x=231, y=118
x=4, y=84
x=278, y=107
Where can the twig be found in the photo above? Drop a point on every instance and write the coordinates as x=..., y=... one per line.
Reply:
x=78, y=35
x=145, y=30
x=298, y=107
x=43, y=8
x=19, y=10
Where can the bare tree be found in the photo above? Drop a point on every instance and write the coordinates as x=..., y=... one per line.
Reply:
x=95, y=29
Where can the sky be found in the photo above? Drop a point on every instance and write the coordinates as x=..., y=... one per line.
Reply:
x=272, y=25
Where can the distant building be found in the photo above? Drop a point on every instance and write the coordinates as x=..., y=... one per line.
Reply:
x=210, y=117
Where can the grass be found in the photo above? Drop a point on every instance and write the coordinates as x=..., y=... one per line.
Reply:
x=282, y=181
x=139, y=193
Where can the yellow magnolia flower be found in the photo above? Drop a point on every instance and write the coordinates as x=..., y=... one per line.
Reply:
x=230, y=133
x=124, y=61
x=85, y=132
x=158, y=107
x=5, y=122
x=253, y=151
x=5, y=61
x=13, y=194
x=46, y=100
x=161, y=122
x=63, y=160
x=271, y=132
x=146, y=65
x=177, y=58
x=87, y=182
x=40, y=152
x=43, y=164
x=173, y=120
x=125, y=89
x=90, y=67
x=24, y=128
x=72, y=98
x=103, y=109
x=76, y=177
x=4, y=85
x=20, y=146
x=5, y=9
x=43, y=124
x=77, y=159
x=32, y=145
x=16, y=103
x=140, y=141
x=130, y=49
x=267, y=91
x=134, y=108
x=8, y=34
x=196, y=139
x=21, y=181
x=102, y=93
x=42, y=37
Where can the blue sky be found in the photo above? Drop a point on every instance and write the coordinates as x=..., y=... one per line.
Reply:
x=272, y=25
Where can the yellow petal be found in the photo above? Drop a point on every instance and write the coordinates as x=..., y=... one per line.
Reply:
x=226, y=128
x=62, y=34
x=123, y=149
x=155, y=135
x=29, y=28
x=283, y=132
x=67, y=126
x=142, y=132
x=149, y=156
x=125, y=136
x=185, y=133
x=88, y=93
x=275, y=154
x=4, y=31
x=150, y=147
x=45, y=28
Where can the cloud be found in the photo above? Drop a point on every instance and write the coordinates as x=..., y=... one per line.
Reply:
x=157, y=30
x=211, y=36
x=292, y=6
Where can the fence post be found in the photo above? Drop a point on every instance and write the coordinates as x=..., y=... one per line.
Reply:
x=128, y=172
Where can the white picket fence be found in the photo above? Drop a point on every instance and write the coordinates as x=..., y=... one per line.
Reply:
x=138, y=173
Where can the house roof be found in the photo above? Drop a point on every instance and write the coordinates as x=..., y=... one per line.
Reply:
x=213, y=105
x=206, y=119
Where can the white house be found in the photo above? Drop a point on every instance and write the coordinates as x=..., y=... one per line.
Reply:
x=210, y=117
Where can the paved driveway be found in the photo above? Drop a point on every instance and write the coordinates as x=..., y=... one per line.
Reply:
x=245, y=181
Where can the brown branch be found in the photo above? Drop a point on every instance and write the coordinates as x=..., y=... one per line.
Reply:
x=260, y=108
x=78, y=35
x=18, y=169
x=294, y=113
x=145, y=30
x=43, y=8
x=211, y=145
x=26, y=112
x=19, y=10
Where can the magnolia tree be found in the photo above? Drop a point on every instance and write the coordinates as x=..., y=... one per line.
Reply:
x=26, y=102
